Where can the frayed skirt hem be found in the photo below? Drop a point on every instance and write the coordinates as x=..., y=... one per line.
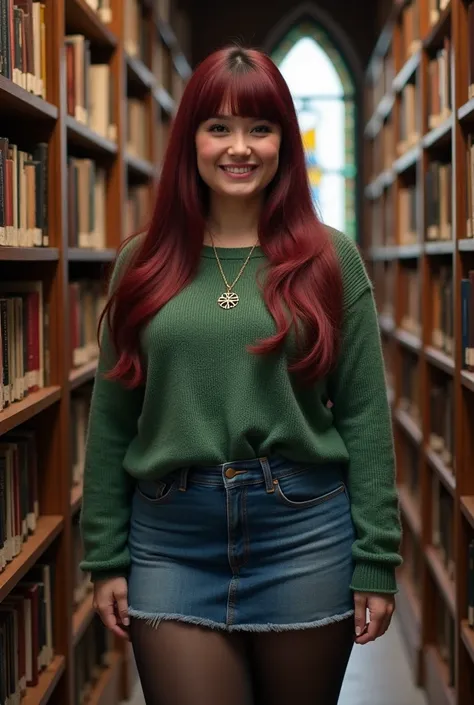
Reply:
x=155, y=619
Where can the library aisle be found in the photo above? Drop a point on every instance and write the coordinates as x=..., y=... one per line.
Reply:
x=88, y=91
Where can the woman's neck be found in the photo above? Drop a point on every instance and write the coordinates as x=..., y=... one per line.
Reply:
x=232, y=223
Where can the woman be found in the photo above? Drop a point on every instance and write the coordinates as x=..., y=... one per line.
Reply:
x=240, y=509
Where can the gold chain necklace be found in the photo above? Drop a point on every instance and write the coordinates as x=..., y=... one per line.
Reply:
x=230, y=299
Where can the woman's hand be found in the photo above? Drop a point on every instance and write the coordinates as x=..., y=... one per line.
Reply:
x=381, y=608
x=110, y=602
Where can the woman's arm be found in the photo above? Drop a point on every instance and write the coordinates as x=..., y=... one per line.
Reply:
x=362, y=417
x=106, y=503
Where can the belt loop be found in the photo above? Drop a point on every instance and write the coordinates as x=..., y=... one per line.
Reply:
x=183, y=479
x=267, y=474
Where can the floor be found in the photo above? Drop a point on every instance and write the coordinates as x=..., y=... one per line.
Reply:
x=378, y=674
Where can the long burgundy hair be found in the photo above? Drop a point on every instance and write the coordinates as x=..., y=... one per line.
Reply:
x=303, y=284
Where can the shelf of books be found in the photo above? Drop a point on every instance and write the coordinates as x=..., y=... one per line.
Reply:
x=419, y=228
x=87, y=92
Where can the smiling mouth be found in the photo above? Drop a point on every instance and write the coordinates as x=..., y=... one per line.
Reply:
x=248, y=169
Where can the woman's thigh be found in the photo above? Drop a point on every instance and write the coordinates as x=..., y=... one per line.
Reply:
x=306, y=667
x=183, y=664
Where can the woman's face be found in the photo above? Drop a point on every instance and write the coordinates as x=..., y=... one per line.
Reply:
x=237, y=156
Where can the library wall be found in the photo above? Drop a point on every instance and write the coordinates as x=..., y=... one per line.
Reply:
x=419, y=245
x=87, y=92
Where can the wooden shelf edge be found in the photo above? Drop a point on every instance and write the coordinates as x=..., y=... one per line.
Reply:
x=140, y=166
x=467, y=508
x=28, y=254
x=386, y=324
x=21, y=411
x=25, y=102
x=408, y=340
x=440, y=359
x=410, y=510
x=466, y=244
x=442, y=579
x=47, y=529
x=466, y=111
x=85, y=19
x=467, y=380
x=407, y=70
x=408, y=160
x=439, y=247
x=48, y=679
x=438, y=29
x=82, y=374
x=443, y=472
x=139, y=72
x=438, y=134
x=106, y=689
x=86, y=254
x=82, y=617
x=467, y=635
x=82, y=134
x=409, y=426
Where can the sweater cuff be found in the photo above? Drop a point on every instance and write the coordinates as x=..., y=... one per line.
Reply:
x=374, y=577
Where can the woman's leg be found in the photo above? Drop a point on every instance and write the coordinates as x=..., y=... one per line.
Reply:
x=182, y=664
x=304, y=667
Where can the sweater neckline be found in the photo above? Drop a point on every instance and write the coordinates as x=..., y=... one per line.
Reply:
x=231, y=252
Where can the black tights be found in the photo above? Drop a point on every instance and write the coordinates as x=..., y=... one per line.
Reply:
x=181, y=664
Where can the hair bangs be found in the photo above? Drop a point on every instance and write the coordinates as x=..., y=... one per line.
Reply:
x=247, y=92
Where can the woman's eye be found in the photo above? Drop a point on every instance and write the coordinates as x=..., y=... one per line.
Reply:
x=217, y=128
x=262, y=129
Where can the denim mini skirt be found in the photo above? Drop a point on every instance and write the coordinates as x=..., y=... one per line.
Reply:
x=254, y=545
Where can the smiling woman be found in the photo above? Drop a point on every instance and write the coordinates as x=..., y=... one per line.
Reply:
x=233, y=518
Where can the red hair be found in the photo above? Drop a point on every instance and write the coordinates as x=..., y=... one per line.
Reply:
x=303, y=288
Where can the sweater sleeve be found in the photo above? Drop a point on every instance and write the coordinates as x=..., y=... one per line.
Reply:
x=106, y=504
x=362, y=417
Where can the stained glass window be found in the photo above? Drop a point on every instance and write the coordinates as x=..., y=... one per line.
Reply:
x=324, y=95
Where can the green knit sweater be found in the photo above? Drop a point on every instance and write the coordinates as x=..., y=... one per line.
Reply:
x=208, y=401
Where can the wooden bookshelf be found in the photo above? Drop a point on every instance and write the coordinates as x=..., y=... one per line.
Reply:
x=427, y=368
x=27, y=120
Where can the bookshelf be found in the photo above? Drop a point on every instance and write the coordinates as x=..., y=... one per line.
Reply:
x=86, y=110
x=419, y=247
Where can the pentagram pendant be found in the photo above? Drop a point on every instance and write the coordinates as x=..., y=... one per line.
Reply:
x=228, y=300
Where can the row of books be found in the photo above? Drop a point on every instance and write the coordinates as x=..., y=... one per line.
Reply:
x=438, y=201
x=82, y=582
x=24, y=336
x=86, y=303
x=470, y=184
x=138, y=129
x=435, y=8
x=26, y=633
x=382, y=83
x=23, y=44
x=137, y=211
x=439, y=85
x=80, y=405
x=409, y=127
x=407, y=214
x=441, y=438
x=137, y=30
x=410, y=397
x=442, y=323
x=87, y=203
x=90, y=93
x=445, y=637
x=467, y=321
x=384, y=285
x=103, y=8
x=411, y=307
x=19, y=504
x=410, y=29
x=23, y=195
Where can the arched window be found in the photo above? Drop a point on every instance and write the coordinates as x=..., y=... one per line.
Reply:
x=324, y=94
